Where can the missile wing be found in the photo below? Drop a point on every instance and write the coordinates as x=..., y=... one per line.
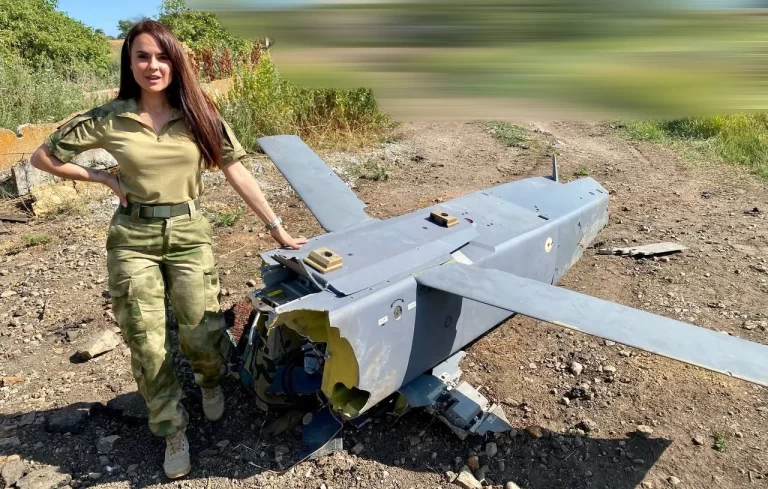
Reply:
x=656, y=334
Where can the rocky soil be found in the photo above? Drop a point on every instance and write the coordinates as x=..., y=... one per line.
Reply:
x=588, y=413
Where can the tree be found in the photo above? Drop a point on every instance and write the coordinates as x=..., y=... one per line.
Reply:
x=35, y=31
x=199, y=30
x=124, y=26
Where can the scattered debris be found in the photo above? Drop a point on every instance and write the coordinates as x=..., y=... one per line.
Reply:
x=284, y=423
x=71, y=419
x=106, y=444
x=576, y=368
x=99, y=344
x=645, y=250
x=750, y=325
x=14, y=218
x=491, y=449
x=12, y=472
x=644, y=431
x=12, y=380
x=674, y=480
x=534, y=431
x=587, y=425
x=45, y=478
x=473, y=462
x=754, y=212
x=467, y=480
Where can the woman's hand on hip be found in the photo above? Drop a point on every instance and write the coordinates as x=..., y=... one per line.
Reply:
x=281, y=236
x=113, y=183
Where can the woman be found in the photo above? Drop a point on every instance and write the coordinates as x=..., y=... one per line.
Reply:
x=162, y=129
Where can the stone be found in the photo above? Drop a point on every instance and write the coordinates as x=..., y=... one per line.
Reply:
x=99, y=344
x=491, y=449
x=511, y=485
x=451, y=475
x=71, y=419
x=106, y=444
x=534, y=431
x=27, y=419
x=94, y=476
x=8, y=293
x=251, y=283
x=132, y=470
x=750, y=325
x=576, y=368
x=27, y=178
x=104, y=461
x=466, y=480
x=610, y=369
x=644, y=431
x=45, y=478
x=587, y=425
x=698, y=440
x=51, y=199
x=12, y=472
x=473, y=462
x=358, y=448
x=129, y=406
x=674, y=480
x=11, y=442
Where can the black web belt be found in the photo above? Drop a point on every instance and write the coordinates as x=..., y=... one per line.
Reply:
x=149, y=211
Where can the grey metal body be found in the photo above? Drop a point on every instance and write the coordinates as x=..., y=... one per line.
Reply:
x=402, y=315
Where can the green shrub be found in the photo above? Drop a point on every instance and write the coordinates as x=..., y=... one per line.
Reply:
x=262, y=103
x=39, y=95
x=371, y=170
x=228, y=219
x=740, y=139
x=35, y=31
x=720, y=444
x=37, y=239
x=582, y=172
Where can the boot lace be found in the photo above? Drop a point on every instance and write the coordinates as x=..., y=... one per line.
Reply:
x=176, y=442
x=209, y=394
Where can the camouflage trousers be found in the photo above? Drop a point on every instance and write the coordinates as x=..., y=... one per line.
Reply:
x=147, y=259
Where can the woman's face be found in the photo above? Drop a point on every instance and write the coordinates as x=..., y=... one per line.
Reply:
x=150, y=64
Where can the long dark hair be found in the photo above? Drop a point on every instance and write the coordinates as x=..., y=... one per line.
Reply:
x=184, y=92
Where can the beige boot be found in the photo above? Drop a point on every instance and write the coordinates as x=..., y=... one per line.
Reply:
x=213, y=403
x=177, y=455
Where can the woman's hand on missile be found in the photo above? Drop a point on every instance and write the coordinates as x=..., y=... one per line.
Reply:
x=281, y=236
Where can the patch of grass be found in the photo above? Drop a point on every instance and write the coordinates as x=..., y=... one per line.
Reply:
x=36, y=239
x=263, y=103
x=509, y=134
x=371, y=170
x=739, y=139
x=228, y=219
x=582, y=172
x=720, y=444
x=41, y=95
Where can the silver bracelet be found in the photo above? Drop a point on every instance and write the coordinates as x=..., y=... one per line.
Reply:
x=272, y=225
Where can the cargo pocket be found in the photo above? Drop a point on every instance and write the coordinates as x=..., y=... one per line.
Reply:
x=212, y=290
x=127, y=311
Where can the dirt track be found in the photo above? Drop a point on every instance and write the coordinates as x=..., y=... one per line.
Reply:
x=720, y=283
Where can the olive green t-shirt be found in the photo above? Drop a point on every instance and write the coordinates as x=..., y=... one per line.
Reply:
x=155, y=168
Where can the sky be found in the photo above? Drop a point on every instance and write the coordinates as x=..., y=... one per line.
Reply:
x=104, y=14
